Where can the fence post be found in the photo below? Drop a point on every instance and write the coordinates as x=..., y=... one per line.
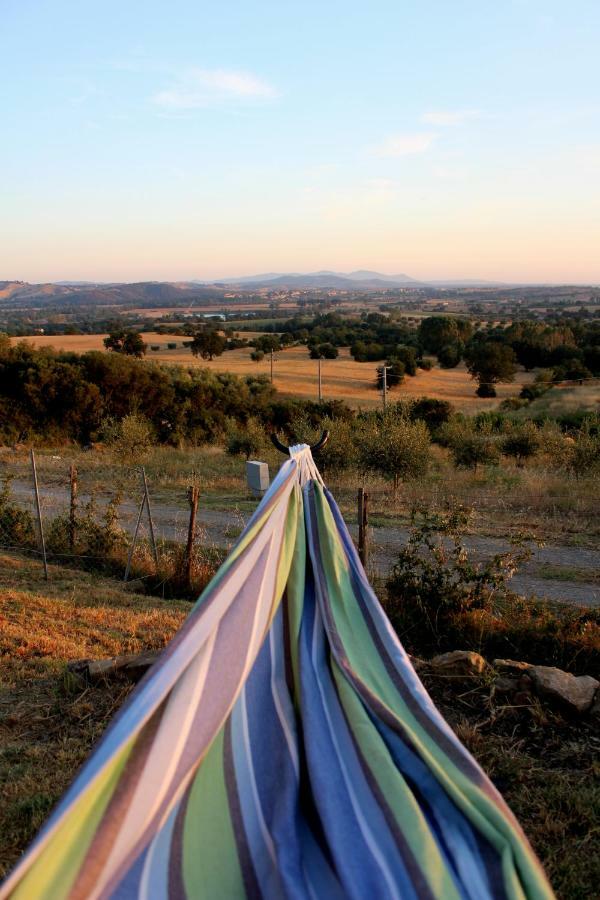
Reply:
x=150, y=522
x=193, y=496
x=39, y=513
x=134, y=540
x=363, y=523
x=73, y=507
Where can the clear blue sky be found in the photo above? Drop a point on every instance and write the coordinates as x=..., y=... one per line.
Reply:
x=175, y=140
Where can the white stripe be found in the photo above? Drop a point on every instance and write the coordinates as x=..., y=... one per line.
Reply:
x=285, y=725
x=259, y=813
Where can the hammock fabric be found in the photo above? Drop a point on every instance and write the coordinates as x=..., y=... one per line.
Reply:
x=282, y=747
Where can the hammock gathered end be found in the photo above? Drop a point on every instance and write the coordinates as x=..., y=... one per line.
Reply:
x=282, y=747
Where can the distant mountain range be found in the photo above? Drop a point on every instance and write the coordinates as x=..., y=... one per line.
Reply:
x=359, y=280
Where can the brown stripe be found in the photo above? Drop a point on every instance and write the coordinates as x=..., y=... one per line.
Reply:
x=175, y=874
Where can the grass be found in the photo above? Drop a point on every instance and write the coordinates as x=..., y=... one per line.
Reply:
x=547, y=769
x=544, y=766
x=586, y=575
x=48, y=725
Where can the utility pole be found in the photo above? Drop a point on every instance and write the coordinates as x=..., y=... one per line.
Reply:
x=271, y=365
x=384, y=370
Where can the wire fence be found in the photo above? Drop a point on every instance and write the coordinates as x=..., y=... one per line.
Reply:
x=123, y=530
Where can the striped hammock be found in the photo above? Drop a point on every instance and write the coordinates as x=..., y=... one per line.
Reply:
x=282, y=747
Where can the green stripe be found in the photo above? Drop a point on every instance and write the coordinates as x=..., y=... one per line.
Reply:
x=211, y=866
x=398, y=795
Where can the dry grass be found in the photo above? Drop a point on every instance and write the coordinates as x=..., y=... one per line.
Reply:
x=48, y=724
x=295, y=374
x=81, y=343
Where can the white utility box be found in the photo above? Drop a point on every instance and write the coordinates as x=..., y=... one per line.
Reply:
x=257, y=476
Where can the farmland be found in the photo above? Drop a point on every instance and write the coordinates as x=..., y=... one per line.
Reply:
x=295, y=374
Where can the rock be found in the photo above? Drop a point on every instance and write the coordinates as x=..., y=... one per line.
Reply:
x=572, y=692
x=504, y=685
x=458, y=664
x=511, y=666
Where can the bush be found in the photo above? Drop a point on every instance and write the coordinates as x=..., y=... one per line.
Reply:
x=450, y=355
x=172, y=346
x=471, y=449
x=434, y=579
x=17, y=526
x=257, y=356
x=131, y=437
x=155, y=347
x=432, y=411
x=248, y=440
x=486, y=390
x=394, y=447
x=521, y=441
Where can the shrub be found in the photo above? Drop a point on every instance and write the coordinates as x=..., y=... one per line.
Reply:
x=450, y=355
x=582, y=455
x=471, y=449
x=155, y=347
x=17, y=526
x=257, y=356
x=172, y=346
x=131, y=437
x=432, y=411
x=394, y=447
x=486, y=390
x=521, y=441
x=248, y=440
x=434, y=580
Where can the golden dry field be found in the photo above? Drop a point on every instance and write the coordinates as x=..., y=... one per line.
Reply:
x=294, y=374
x=81, y=343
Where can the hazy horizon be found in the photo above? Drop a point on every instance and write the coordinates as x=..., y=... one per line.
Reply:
x=446, y=141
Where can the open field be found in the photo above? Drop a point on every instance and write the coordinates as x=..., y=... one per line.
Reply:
x=295, y=374
x=81, y=343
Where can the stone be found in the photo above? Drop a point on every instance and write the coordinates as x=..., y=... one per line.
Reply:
x=511, y=666
x=458, y=664
x=572, y=692
x=504, y=685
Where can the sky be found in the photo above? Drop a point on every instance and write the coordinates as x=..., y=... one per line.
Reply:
x=195, y=140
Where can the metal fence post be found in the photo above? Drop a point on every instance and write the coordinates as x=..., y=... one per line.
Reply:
x=39, y=513
x=150, y=522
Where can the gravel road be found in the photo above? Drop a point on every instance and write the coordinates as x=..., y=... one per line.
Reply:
x=222, y=526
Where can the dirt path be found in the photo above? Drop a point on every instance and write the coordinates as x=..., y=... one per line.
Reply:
x=566, y=574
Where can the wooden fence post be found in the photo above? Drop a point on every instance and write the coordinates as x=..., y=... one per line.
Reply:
x=363, y=526
x=193, y=497
x=39, y=513
x=73, y=507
